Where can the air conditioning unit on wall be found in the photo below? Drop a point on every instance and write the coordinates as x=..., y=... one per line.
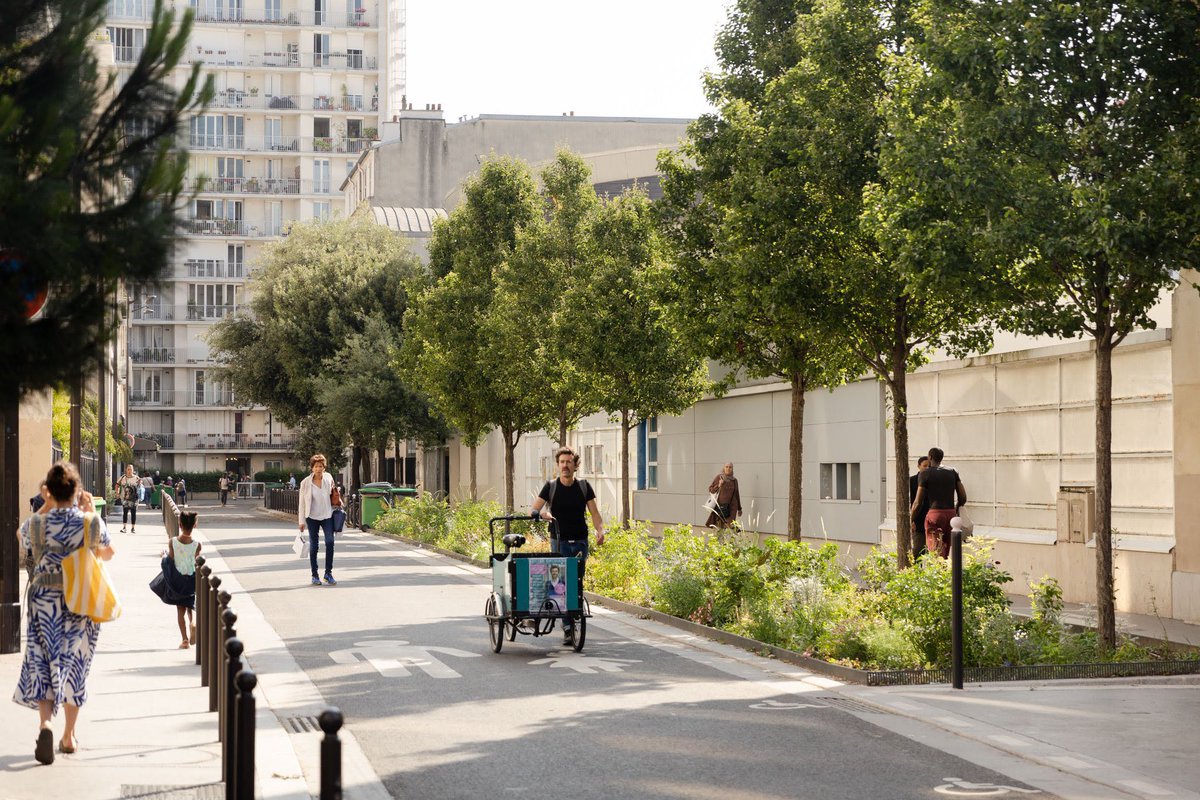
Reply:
x=1076, y=513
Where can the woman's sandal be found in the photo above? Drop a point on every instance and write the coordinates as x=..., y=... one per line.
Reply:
x=66, y=749
x=184, y=645
x=44, y=752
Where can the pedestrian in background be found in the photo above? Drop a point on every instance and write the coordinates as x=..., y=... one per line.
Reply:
x=729, y=499
x=223, y=488
x=177, y=586
x=918, y=518
x=59, y=645
x=146, y=489
x=181, y=491
x=127, y=488
x=315, y=511
x=940, y=485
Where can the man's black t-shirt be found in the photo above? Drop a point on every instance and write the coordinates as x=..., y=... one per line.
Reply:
x=569, y=509
x=939, y=483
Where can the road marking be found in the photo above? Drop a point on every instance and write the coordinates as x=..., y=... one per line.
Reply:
x=586, y=665
x=392, y=658
x=953, y=722
x=957, y=787
x=1011, y=741
x=1070, y=762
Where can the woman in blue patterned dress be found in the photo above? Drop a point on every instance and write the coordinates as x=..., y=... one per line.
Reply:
x=59, y=645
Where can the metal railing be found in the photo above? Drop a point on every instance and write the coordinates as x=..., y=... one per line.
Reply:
x=260, y=186
x=239, y=441
x=166, y=440
x=183, y=398
x=189, y=311
x=214, y=268
x=287, y=500
x=291, y=59
x=273, y=143
x=258, y=14
x=240, y=98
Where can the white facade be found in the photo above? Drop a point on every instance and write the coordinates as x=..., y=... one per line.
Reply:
x=301, y=89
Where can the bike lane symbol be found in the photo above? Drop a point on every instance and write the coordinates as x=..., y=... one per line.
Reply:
x=392, y=658
x=957, y=787
x=779, y=705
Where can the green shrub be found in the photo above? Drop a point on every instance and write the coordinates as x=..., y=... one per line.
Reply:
x=467, y=527
x=886, y=647
x=279, y=475
x=620, y=568
x=423, y=518
x=197, y=481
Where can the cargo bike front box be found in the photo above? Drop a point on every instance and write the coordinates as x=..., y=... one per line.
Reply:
x=531, y=592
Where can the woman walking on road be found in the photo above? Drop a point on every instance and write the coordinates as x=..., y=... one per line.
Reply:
x=127, y=490
x=59, y=645
x=729, y=499
x=316, y=513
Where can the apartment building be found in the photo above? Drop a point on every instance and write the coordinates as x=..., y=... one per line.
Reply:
x=302, y=88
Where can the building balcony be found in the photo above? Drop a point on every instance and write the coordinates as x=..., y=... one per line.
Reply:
x=229, y=227
x=237, y=98
x=182, y=399
x=164, y=440
x=168, y=356
x=274, y=144
x=239, y=441
x=213, y=268
x=210, y=12
x=190, y=312
x=293, y=59
x=276, y=186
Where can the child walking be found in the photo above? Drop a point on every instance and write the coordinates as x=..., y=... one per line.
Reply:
x=176, y=585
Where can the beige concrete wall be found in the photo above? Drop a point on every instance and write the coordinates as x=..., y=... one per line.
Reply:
x=1019, y=425
x=1185, y=351
x=35, y=417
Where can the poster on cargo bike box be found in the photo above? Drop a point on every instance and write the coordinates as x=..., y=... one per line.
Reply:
x=547, y=585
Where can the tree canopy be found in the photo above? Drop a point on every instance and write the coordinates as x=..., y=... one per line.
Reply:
x=89, y=177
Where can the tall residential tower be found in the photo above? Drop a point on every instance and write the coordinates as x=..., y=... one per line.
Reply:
x=302, y=88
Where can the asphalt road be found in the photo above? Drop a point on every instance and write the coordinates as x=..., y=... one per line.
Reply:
x=401, y=646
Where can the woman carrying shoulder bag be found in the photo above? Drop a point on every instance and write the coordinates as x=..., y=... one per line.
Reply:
x=59, y=644
x=315, y=512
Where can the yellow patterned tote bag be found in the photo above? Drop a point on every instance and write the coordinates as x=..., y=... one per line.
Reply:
x=87, y=589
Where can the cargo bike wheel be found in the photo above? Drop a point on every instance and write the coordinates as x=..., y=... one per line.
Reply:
x=496, y=623
x=578, y=633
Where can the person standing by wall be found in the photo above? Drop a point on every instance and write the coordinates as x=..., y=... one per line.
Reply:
x=223, y=488
x=59, y=645
x=729, y=499
x=127, y=489
x=918, y=519
x=563, y=502
x=315, y=511
x=940, y=485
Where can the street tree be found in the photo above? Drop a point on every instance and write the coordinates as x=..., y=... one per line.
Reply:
x=625, y=341
x=469, y=342
x=556, y=252
x=1052, y=147
x=741, y=281
x=319, y=296
x=89, y=178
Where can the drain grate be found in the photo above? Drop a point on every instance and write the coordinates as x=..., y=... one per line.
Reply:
x=202, y=791
x=848, y=704
x=303, y=724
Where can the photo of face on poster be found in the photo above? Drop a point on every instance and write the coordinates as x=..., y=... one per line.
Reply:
x=548, y=585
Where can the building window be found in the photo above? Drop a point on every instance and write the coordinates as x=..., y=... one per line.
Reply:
x=648, y=454
x=273, y=466
x=199, y=387
x=840, y=481
x=322, y=210
x=593, y=459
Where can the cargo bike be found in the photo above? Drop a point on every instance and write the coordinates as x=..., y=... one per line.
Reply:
x=532, y=592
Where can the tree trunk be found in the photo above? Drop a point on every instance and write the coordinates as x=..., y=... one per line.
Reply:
x=355, y=464
x=796, y=458
x=365, y=460
x=562, y=426
x=474, y=473
x=1106, y=624
x=904, y=538
x=626, y=500
x=510, y=445
x=382, y=453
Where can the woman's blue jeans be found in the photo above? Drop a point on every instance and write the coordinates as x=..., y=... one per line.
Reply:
x=315, y=526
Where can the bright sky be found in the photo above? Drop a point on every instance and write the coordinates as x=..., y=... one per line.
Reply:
x=597, y=58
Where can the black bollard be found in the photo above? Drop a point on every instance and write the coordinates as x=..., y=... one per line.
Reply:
x=331, y=754
x=226, y=691
x=244, y=759
x=233, y=655
x=212, y=642
x=956, y=601
x=199, y=609
x=202, y=604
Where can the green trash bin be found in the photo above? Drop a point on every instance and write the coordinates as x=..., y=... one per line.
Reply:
x=401, y=493
x=155, y=496
x=101, y=506
x=376, y=499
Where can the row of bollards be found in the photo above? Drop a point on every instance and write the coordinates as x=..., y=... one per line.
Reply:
x=231, y=685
